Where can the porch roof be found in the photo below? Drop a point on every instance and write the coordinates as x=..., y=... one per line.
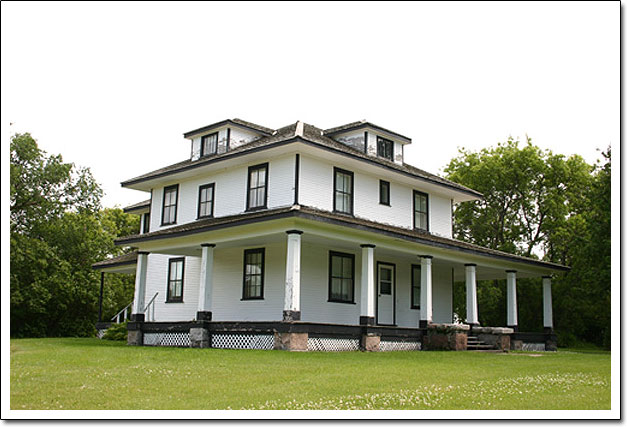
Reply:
x=306, y=212
x=120, y=264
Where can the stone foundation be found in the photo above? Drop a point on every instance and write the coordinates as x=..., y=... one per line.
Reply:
x=199, y=338
x=135, y=337
x=370, y=342
x=516, y=345
x=445, y=336
x=498, y=337
x=291, y=341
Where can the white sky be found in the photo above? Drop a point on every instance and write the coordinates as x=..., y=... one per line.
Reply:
x=114, y=86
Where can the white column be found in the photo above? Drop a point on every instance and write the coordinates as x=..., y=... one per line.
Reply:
x=291, y=306
x=367, y=285
x=472, y=314
x=512, y=310
x=139, y=299
x=547, y=302
x=426, y=299
x=205, y=287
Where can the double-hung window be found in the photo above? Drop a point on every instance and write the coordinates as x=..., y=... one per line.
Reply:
x=341, y=277
x=205, y=200
x=176, y=272
x=385, y=148
x=415, y=286
x=257, y=194
x=421, y=211
x=254, y=260
x=146, y=225
x=209, y=144
x=384, y=193
x=343, y=191
x=170, y=199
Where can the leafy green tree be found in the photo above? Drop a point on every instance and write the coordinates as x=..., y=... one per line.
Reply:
x=57, y=232
x=542, y=205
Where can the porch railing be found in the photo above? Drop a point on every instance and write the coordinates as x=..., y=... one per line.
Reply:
x=149, y=311
x=122, y=314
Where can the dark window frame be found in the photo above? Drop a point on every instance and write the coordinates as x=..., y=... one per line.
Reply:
x=146, y=225
x=263, y=273
x=176, y=204
x=202, y=143
x=265, y=200
x=385, y=141
x=330, y=273
x=393, y=289
x=413, y=287
x=337, y=170
x=200, y=202
x=382, y=184
x=169, y=298
x=416, y=192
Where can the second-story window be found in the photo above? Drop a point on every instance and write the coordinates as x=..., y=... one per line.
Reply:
x=421, y=211
x=343, y=191
x=170, y=199
x=209, y=144
x=205, y=200
x=257, y=194
x=146, y=225
x=385, y=148
x=384, y=193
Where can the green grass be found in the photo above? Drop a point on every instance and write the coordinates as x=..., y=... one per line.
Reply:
x=84, y=373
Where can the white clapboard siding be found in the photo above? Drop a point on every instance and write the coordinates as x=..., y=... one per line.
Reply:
x=230, y=191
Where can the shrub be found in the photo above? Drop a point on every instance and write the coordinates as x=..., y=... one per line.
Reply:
x=116, y=332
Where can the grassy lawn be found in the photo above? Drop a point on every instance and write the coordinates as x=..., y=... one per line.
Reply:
x=85, y=373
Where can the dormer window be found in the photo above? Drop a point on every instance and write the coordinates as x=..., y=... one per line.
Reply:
x=385, y=148
x=209, y=144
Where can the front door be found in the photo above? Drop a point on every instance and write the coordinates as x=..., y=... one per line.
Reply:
x=386, y=287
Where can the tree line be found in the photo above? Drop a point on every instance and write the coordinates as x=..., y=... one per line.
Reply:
x=537, y=204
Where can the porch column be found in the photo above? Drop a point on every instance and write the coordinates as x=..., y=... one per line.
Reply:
x=366, y=316
x=426, y=300
x=472, y=314
x=205, y=287
x=140, y=287
x=512, y=310
x=547, y=301
x=100, y=297
x=291, y=307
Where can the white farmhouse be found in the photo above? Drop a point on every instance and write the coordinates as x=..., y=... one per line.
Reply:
x=302, y=238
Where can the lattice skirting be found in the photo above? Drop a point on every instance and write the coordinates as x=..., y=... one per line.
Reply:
x=167, y=339
x=396, y=345
x=243, y=341
x=332, y=344
x=533, y=346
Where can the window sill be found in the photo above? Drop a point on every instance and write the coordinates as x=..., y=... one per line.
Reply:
x=342, y=302
x=174, y=302
x=252, y=299
x=385, y=204
x=204, y=217
x=414, y=307
x=259, y=208
x=344, y=213
x=167, y=223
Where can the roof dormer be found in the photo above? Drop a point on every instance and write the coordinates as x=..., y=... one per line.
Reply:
x=371, y=139
x=223, y=136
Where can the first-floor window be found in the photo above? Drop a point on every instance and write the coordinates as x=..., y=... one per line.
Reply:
x=415, y=286
x=341, y=277
x=176, y=271
x=253, y=273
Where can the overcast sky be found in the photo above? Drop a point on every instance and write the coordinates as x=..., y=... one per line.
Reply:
x=113, y=87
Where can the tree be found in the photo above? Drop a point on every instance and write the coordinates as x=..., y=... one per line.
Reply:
x=57, y=232
x=542, y=205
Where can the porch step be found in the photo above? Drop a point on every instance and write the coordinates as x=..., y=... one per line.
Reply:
x=474, y=344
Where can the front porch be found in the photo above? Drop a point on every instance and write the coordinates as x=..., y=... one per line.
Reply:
x=395, y=289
